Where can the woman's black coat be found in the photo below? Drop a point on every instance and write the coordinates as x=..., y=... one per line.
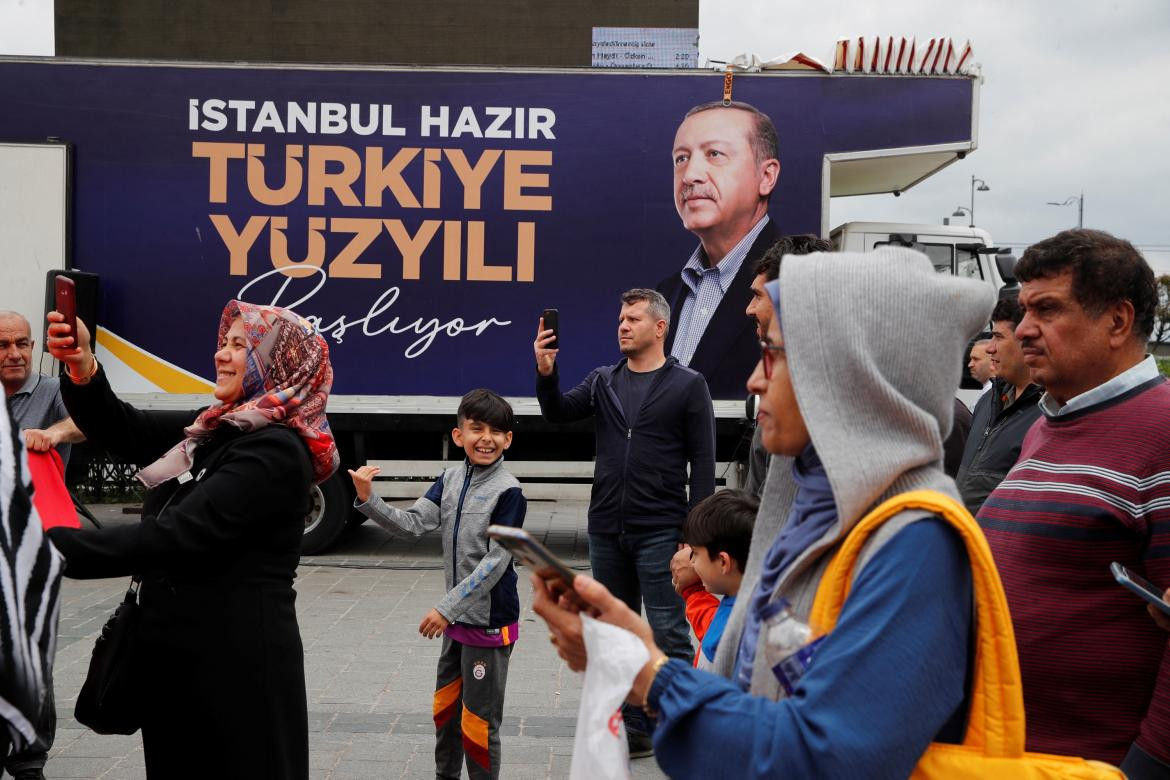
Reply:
x=221, y=663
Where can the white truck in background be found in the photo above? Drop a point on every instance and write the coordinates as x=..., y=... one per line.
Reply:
x=422, y=217
x=955, y=249
x=960, y=250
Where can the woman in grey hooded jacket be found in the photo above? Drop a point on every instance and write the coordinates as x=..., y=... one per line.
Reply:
x=857, y=378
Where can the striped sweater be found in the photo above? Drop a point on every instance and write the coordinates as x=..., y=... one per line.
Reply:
x=1090, y=487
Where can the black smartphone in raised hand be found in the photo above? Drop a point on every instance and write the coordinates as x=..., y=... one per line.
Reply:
x=552, y=321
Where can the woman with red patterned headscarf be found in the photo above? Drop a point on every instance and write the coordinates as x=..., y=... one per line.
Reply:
x=219, y=666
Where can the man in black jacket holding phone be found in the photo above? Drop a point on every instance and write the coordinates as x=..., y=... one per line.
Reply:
x=653, y=418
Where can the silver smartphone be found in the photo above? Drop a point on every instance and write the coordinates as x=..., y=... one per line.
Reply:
x=1139, y=585
x=526, y=549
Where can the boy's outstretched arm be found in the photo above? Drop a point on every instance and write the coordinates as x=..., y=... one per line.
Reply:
x=424, y=516
x=510, y=510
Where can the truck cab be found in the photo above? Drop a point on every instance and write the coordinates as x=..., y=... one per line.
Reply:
x=955, y=249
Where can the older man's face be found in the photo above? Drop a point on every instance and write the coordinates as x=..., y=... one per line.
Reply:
x=15, y=353
x=1064, y=346
x=718, y=184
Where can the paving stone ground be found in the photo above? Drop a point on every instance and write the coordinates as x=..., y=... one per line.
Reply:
x=369, y=674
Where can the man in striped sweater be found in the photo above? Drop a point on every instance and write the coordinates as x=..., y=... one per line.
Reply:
x=1092, y=486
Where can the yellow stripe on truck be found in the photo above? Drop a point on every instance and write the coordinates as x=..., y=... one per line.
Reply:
x=167, y=377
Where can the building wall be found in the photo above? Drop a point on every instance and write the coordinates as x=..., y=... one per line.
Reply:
x=548, y=33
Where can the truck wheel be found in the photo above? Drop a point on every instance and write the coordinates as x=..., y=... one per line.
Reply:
x=328, y=512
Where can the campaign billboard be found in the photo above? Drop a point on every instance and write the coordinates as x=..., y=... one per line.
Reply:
x=422, y=218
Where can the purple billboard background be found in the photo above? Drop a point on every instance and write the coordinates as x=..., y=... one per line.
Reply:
x=141, y=200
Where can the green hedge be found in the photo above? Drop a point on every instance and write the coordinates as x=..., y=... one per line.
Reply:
x=1164, y=366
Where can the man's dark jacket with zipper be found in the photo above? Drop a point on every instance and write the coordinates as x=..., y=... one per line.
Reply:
x=993, y=446
x=640, y=477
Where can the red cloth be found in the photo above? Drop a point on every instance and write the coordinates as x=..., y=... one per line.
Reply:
x=50, y=496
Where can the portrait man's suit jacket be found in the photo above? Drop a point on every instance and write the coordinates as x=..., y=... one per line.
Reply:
x=729, y=349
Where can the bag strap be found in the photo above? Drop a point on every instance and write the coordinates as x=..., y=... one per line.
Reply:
x=996, y=722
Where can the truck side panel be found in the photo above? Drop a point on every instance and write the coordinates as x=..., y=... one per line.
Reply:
x=422, y=218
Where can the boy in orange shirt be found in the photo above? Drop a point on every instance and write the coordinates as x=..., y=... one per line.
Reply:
x=717, y=535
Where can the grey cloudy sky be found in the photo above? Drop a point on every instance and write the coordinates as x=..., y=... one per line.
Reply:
x=26, y=27
x=1075, y=97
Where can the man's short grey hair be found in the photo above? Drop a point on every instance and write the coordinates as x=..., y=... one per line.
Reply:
x=8, y=314
x=655, y=303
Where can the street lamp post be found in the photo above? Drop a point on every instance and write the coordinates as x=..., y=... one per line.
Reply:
x=982, y=188
x=1080, y=201
x=961, y=210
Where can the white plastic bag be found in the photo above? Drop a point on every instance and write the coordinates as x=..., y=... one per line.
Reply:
x=615, y=657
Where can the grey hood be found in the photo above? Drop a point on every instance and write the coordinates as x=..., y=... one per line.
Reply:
x=875, y=345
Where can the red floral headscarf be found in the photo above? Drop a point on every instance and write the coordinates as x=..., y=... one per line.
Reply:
x=286, y=382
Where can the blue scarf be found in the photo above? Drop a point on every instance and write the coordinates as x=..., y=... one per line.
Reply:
x=813, y=512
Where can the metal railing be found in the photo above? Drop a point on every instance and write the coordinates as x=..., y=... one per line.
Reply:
x=106, y=480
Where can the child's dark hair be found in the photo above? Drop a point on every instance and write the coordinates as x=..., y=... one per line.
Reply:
x=723, y=522
x=482, y=405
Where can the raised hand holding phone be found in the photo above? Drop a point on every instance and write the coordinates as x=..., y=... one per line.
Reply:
x=72, y=347
x=551, y=320
x=546, y=344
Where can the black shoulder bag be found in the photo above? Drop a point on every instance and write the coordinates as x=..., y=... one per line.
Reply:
x=109, y=701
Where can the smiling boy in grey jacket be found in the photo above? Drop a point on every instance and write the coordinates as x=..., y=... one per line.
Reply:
x=478, y=617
